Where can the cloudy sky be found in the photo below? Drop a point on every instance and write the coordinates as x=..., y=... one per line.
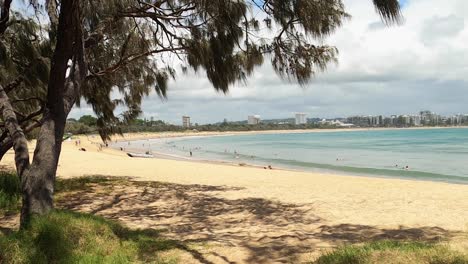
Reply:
x=422, y=64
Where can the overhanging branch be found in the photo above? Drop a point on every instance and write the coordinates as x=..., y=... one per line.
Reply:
x=130, y=59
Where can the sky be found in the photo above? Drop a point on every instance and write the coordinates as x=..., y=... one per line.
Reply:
x=421, y=64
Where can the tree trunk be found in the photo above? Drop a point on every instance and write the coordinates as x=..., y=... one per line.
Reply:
x=39, y=184
x=18, y=139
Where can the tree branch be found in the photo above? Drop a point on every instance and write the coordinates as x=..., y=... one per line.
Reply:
x=12, y=85
x=27, y=99
x=20, y=144
x=130, y=59
x=6, y=143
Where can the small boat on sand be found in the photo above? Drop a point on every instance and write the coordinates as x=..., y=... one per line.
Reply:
x=139, y=155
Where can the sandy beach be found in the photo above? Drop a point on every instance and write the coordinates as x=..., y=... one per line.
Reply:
x=250, y=213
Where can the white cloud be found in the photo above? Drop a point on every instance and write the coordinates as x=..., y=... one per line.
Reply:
x=441, y=28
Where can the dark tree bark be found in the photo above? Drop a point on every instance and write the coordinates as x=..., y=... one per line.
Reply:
x=18, y=139
x=6, y=143
x=39, y=183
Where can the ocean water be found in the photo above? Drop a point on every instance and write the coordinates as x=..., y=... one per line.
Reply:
x=430, y=154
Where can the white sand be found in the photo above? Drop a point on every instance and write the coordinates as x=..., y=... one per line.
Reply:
x=334, y=199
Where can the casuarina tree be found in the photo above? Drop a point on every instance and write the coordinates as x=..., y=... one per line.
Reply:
x=135, y=46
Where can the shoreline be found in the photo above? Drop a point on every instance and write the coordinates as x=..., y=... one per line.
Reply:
x=335, y=198
x=325, y=172
x=414, y=175
x=445, y=179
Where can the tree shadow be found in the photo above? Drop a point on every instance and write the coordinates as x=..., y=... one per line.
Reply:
x=362, y=233
x=257, y=229
x=6, y=230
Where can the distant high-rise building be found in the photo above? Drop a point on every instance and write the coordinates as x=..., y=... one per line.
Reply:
x=301, y=118
x=393, y=120
x=253, y=120
x=406, y=120
x=416, y=120
x=375, y=120
x=428, y=117
x=186, y=121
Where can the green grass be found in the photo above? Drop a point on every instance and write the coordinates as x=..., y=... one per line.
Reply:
x=68, y=237
x=9, y=192
x=393, y=252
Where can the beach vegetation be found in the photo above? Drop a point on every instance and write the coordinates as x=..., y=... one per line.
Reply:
x=393, y=252
x=88, y=120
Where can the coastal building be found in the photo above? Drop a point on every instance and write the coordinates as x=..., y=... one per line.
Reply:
x=253, y=120
x=375, y=120
x=415, y=120
x=301, y=118
x=406, y=120
x=454, y=120
x=360, y=121
x=186, y=121
x=335, y=123
x=429, y=118
x=393, y=120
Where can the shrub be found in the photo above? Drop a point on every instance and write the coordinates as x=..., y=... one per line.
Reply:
x=393, y=252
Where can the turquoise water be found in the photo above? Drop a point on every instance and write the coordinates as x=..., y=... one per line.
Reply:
x=430, y=154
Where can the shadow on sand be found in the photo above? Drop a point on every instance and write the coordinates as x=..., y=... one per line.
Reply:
x=256, y=229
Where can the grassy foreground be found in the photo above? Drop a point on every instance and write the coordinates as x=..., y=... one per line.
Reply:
x=393, y=252
x=70, y=237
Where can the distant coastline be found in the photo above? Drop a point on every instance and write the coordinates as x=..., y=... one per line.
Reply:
x=192, y=133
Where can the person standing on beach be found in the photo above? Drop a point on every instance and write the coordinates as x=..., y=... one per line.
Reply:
x=190, y=153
